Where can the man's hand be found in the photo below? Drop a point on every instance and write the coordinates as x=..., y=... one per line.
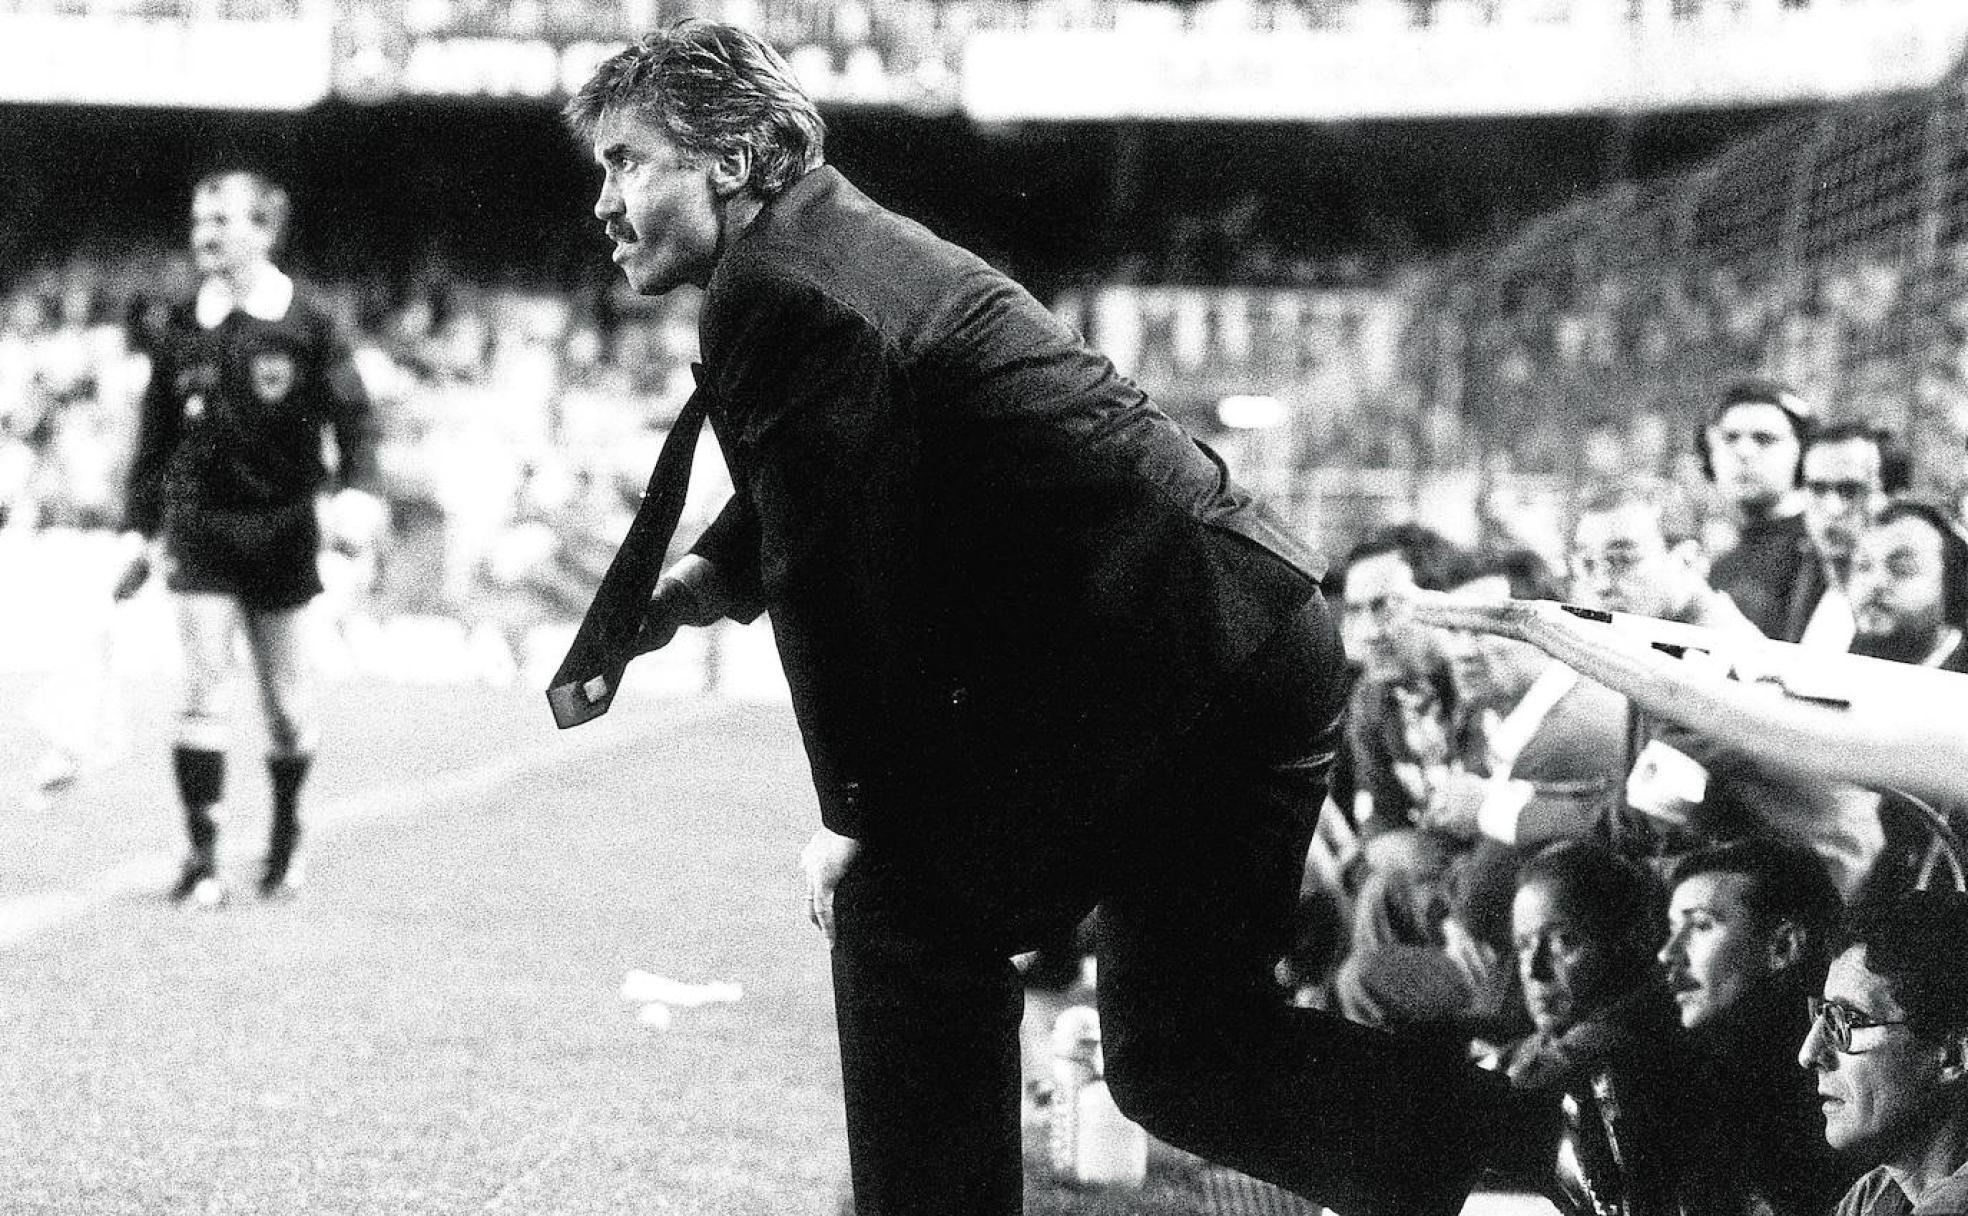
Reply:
x=825, y=861
x=1457, y=799
x=689, y=593
x=354, y=520
x=138, y=562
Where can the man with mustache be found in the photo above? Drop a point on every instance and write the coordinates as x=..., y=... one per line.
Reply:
x=249, y=380
x=1044, y=654
x=1749, y=931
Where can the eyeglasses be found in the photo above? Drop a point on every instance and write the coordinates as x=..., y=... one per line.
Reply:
x=1841, y=1020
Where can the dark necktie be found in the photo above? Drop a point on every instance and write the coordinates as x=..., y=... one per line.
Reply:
x=585, y=684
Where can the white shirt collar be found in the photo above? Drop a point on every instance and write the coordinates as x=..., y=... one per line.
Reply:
x=267, y=297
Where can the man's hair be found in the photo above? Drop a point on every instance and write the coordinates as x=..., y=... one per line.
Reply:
x=1438, y=563
x=1672, y=507
x=1895, y=464
x=1787, y=882
x=711, y=89
x=1617, y=902
x=1914, y=941
x=1954, y=551
x=270, y=205
x=1758, y=390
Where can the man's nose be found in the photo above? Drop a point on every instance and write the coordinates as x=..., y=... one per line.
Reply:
x=608, y=202
x=1812, y=1052
x=1670, y=951
x=1540, y=962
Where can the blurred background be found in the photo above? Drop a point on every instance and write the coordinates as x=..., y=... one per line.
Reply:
x=1434, y=259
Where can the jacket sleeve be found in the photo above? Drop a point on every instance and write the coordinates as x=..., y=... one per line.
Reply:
x=731, y=544
x=824, y=465
x=158, y=422
x=353, y=416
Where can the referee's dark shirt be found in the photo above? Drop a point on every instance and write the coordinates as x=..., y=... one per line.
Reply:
x=236, y=416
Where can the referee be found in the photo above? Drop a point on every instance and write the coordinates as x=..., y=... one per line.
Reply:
x=248, y=380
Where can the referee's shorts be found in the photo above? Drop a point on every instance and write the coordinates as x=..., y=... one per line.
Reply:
x=264, y=556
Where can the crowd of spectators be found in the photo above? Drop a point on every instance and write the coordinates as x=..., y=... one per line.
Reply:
x=1629, y=917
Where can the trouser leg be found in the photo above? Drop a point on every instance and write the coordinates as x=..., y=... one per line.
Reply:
x=1201, y=1046
x=929, y=1057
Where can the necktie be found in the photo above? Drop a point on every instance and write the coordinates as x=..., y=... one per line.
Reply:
x=585, y=685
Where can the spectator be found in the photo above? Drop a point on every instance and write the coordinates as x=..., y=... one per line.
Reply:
x=1584, y=928
x=1533, y=735
x=1423, y=944
x=1889, y=1046
x=1398, y=727
x=1849, y=470
x=1909, y=587
x=1753, y=449
x=1601, y=1063
x=1635, y=549
x=1749, y=927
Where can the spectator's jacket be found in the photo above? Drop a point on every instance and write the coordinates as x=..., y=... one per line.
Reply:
x=1761, y=573
x=1576, y=755
x=1756, y=1142
x=989, y=559
x=1807, y=587
x=1398, y=739
x=241, y=394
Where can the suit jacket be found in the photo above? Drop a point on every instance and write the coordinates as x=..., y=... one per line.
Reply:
x=999, y=578
x=1575, y=759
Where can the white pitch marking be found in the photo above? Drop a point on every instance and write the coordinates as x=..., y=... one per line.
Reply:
x=27, y=915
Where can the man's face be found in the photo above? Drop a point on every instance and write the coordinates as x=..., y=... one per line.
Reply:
x=1566, y=973
x=1620, y=562
x=1842, y=492
x=1888, y=1101
x=1488, y=669
x=1897, y=586
x=227, y=237
x=1753, y=449
x=1379, y=626
x=657, y=204
x=1716, y=957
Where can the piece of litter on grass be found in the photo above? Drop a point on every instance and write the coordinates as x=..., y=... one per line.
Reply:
x=640, y=985
x=656, y=1014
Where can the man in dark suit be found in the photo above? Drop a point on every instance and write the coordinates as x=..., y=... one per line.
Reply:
x=1752, y=448
x=1044, y=655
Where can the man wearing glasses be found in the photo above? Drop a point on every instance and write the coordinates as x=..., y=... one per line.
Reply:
x=1850, y=468
x=1889, y=1044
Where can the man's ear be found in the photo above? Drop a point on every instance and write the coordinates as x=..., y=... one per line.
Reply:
x=1785, y=947
x=1954, y=1063
x=731, y=172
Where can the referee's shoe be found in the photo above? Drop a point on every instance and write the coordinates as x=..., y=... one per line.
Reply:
x=198, y=882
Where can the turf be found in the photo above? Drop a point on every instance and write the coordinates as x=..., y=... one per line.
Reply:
x=435, y=1026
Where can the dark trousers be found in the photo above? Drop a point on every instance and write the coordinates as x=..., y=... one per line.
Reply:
x=1194, y=907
